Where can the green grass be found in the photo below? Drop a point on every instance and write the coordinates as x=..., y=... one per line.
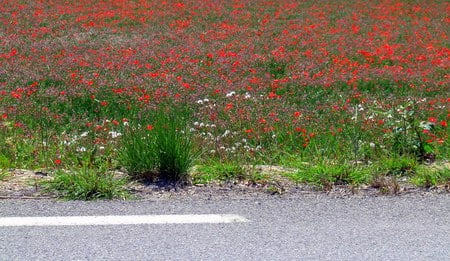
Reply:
x=86, y=184
x=4, y=174
x=327, y=174
x=162, y=148
x=428, y=177
x=138, y=154
x=174, y=144
x=398, y=166
x=5, y=162
x=216, y=171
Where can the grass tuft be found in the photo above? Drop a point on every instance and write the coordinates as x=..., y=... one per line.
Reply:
x=86, y=184
x=162, y=150
x=429, y=177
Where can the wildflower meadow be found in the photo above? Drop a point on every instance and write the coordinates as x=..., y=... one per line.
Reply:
x=346, y=92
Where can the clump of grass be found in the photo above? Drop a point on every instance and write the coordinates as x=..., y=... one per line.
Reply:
x=429, y=177
x=138, y=153
x=4, y=174
x=5, y=163
x=174, y=148
x=325, y=175
x=86, y=184
x=162, y=150
x=398, y=166
x=217, y=171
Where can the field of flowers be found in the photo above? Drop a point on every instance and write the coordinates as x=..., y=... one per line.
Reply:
x=273, y=82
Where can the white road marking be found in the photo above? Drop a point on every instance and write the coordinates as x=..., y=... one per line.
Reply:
x=119, y=220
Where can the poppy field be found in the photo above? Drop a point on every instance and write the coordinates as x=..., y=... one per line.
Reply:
x=292, y=83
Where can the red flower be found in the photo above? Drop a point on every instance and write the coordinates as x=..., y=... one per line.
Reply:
x=273, y=95
x=149, y=127
x=57, y=161
x=228, y=107
x=297, y=114
x=432, y=119
x=443, y=124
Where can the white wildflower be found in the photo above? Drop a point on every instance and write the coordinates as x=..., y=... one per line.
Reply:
x=230, y=94
x=226, y=133
x=115, y=134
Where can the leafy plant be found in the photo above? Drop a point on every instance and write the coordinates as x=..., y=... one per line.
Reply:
x=408, y=132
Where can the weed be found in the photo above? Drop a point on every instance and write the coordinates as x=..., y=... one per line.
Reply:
x=431, y=176
x=219, y=171
x=138, y=153
x=174, y=149
x=86, y=184
x=163, y=148
x=398, y=166
x=325, y=175
x=5, y=163
x=4, y=174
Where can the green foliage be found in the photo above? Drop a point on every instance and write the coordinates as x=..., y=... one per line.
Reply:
x=398, y=166
x=325, y=175
x=4, y=174
x=5, y=163
x=138, y=153
x=429, y=176
x=218, y=171
x=277, y=69
x=86, y=184
x=165, y=146
x=407, y=136
x=174, y=149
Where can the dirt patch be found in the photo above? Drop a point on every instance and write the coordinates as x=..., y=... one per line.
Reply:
x=21, y=183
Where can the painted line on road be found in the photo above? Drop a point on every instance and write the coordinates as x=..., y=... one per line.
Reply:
x=120, y=220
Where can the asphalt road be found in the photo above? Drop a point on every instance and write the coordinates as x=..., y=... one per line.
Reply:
x=304, y=228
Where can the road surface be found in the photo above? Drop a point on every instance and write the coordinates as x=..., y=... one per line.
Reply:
x=314, y=227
